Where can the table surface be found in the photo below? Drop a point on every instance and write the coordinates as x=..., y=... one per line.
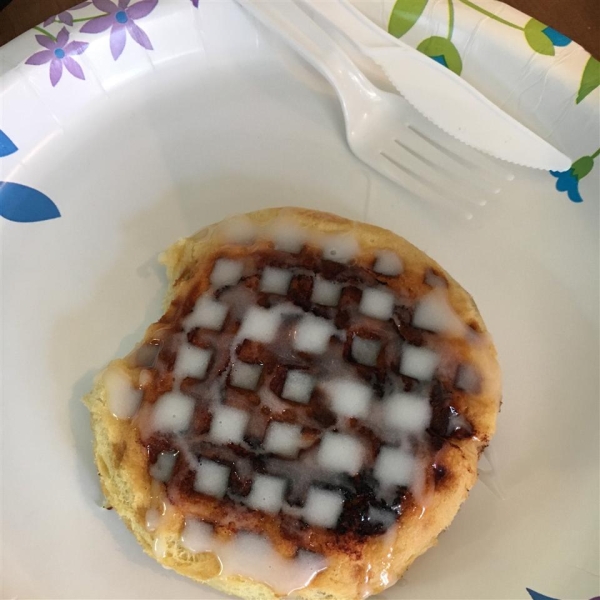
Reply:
x=578, y=19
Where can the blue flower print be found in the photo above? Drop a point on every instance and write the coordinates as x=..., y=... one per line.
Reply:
x=568, y=181
x=557, y=38
x=537, y=596
x=7, y=146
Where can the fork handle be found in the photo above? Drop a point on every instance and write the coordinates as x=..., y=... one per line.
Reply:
x=314, y=44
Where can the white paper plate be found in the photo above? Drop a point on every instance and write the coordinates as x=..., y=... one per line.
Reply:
x=103, y=173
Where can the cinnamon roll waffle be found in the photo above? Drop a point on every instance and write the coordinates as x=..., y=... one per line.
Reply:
x=307, y=415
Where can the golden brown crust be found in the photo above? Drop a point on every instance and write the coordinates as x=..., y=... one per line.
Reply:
x=123, y=463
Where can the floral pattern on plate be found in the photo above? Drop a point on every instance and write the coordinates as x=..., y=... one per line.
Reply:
x=540, y=38
x=120, y=18
x=59, y=52
x=21, y=203
x=568, y=181
x=60, y=44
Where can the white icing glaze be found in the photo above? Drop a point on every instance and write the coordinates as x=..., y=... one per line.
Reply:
x=226, y=272
x=191, y=362
x=207, y=313
x=145, y=378
x=228, y=425
x=468, y=379
x=381, y=575
x=323, y=507
x=365, y=351
x=419, y=362
x=271, y=401
x=435, y=280
x=386, y=517
x=239, y=230
x=298, y=386
x=388, y=263
x=283, y=439
x=377, y=303
x=348, y=398
x=275, y=281
x=158, y=517
x=312, y=334
x=341, y=453
x=162, y=469
x=408, y=412
x=198, y=536
x=340, y=248
x=254, y=557
x=159, y=547
x=260, y=324
x=122, y=398
x=153, y=518
x=266, y=494
x=157, y=493
x=173, y=412
x=211, y=478
x=326, y=293
x=245, y=376
x=434, y=313
x=394, y=467
x=288, y=237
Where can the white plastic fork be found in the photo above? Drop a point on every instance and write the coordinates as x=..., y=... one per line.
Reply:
x=382, y=129
x=443, y=97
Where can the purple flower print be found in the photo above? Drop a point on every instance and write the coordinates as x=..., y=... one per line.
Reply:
x=58, y=53
x=121, y=19
x=195, y=3
x=65, y=17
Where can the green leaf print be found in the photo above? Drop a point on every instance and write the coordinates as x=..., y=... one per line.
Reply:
x=581, y=168
x=404, y=15
x=537, y=39
x=443, y=51
x=590, y=79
